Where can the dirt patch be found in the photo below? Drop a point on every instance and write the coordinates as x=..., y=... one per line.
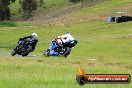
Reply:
x=114, y=37
x=81, y=19
x=90, y=64
x=127, y=9
x=57, y=16
x=129, y=67
x=120, y=65
x=123, y=11
x=40, y=61
x=113, y=64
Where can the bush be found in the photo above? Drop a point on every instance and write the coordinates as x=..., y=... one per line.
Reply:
x=7, y=24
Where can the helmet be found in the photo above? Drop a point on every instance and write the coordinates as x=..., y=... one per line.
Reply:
x=68, y=33
x=58, y=36
x=34, y=34
x=74, y=43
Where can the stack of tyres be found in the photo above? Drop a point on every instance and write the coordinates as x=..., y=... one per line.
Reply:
x=129, y=18
x=121, y=19
x=118, y=19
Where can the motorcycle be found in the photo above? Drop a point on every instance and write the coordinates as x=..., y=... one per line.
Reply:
x=60, y=50
x=23, y=48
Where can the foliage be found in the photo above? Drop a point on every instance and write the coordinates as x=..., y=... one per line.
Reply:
x=4, y=9
x=28, y=6
x=41, y=3
x=7, y=24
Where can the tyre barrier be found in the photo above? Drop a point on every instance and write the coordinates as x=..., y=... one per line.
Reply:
x=119, y=19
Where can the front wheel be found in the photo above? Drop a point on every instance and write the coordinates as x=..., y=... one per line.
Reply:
x=13, y=52
x=46, y=53
x=67, y=51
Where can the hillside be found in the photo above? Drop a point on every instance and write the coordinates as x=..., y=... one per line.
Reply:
x=103, y=48
x=60, y=12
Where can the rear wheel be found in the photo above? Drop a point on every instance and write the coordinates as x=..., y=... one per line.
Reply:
x=25, y=54
x=27, y=51
x=67, y=51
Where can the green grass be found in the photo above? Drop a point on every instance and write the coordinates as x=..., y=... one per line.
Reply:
x=107, y=7
x=103, y=48
x=108, y=46
x=7, y=24
x=50, y=4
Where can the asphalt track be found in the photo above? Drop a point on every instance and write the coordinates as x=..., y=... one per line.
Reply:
x=9, y=54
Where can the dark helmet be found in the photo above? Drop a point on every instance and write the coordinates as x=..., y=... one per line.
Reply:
x=68, y=33
x=74, y=43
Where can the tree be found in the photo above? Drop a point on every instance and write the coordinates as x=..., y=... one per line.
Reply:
x=41, y=3
x=28, y=6
x=4, y=9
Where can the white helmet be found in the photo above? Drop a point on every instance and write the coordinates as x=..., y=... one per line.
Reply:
x=34, y=34
x=58, y=36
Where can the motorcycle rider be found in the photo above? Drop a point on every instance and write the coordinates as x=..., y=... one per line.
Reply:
x=60, y=42
x=64, y=38
x=31, y=38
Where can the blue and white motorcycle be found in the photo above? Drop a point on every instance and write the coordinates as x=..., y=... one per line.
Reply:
x=60, y=50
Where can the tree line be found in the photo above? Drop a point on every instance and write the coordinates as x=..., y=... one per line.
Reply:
x=27, y=7
x=4, y=9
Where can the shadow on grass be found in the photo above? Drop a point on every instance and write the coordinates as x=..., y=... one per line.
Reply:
x=7, y=24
